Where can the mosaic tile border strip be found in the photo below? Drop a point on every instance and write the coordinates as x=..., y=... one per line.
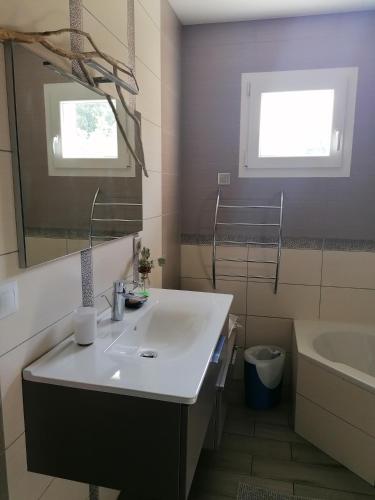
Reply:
x=206, y=239
x=87, y=278
x=71, y=234
x=332, y=244
x=350, y=245
x=76, y=21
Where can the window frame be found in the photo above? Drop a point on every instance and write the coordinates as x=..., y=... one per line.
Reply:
x=122, y=166
x=342, y=80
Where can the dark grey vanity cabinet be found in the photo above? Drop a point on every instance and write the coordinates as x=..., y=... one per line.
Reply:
x=147, y=448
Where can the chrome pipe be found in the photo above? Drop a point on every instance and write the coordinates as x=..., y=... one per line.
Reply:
x=271, y=243
x=92, y=215
x=250, y=206
x=102, y=204
x=116, y=220
x=249, y=261
x=280, y=243
x=245, y=224
x=214, y=241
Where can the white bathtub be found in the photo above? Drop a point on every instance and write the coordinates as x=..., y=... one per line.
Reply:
x=334, y=380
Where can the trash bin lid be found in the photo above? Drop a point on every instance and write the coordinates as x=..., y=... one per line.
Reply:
x=258, y=354
x=269, y=363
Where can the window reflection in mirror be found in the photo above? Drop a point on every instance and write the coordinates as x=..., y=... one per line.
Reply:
x=88, y=129
x=67, y=146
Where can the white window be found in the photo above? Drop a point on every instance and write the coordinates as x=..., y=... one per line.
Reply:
x=297, y=123
x=82, y=135
x=88, y=129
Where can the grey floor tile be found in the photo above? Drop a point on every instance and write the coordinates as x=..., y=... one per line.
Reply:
x=272, y=484
x=307, y=453
x=208, y=496
x=239, y=424
x=279, y=415
x=235, y=393
x=279, y=458
x=256, y=446
x=227, y=460
x=240, y=411
x=309, y=474
x=326, y=494
x=291, y=418
x=217, y=482
x=277, y=432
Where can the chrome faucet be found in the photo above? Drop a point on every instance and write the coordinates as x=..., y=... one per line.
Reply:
x=120, y=295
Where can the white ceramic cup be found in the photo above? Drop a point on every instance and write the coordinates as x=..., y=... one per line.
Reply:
x=84, y=321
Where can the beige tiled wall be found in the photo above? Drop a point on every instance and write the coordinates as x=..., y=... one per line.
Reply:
x=314, y=284
x=170, y=76
x=50, y=292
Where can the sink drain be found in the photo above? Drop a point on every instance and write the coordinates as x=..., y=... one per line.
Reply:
x=148, y=354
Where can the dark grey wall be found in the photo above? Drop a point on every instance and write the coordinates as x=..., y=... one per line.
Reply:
x=214, y=56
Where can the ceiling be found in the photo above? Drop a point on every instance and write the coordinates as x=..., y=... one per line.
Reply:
x=219, y=11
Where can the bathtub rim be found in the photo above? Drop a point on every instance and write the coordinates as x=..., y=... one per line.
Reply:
x=306, y=331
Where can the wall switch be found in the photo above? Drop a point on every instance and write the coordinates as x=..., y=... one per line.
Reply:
x=8, y=299
x=223, y=179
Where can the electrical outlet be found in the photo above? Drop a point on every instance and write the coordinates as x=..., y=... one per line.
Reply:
x=223, y=179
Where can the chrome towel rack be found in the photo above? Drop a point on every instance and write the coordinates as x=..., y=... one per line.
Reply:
x=276, y=244
x=94, y=220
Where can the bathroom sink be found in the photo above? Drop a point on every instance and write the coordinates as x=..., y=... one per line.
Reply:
x=165, y=330
x=161, y=351
x=148, y=382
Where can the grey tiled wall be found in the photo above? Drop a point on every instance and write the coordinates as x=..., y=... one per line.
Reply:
x=214, y=56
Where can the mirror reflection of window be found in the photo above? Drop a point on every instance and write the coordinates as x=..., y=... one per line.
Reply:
x=82, y=134
x=88, y=129
x=68, y=146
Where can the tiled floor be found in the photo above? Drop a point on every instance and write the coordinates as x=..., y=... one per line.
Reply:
x=261, y=448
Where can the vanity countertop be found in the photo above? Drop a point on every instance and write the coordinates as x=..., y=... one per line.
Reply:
x=180, y=328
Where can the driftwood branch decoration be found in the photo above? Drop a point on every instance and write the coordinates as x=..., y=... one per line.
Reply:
x=43, y=38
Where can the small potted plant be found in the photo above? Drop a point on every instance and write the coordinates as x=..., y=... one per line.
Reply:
x=145, y=266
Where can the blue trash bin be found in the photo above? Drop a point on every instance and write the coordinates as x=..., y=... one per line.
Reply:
x=264, y=367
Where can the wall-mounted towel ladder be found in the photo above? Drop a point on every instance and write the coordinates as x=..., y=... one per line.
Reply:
x=94, y=220
x=220, y=204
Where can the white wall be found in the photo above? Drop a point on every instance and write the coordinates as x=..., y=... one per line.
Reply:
x=50, y=292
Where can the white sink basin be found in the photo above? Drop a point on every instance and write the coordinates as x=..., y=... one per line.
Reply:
x=160, y=351
x=165, y=329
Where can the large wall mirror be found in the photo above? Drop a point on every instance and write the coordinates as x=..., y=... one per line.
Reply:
x=75, y=182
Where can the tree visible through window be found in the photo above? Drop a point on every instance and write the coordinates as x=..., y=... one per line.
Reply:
x=88, y=129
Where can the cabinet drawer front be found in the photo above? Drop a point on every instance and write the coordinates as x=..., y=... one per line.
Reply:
x=195, y=420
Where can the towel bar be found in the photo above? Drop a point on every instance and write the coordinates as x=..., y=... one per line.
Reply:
x=93, y=219
x=276, y=244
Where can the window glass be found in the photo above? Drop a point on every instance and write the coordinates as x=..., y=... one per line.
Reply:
x=296, y=123
x=88, y=129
